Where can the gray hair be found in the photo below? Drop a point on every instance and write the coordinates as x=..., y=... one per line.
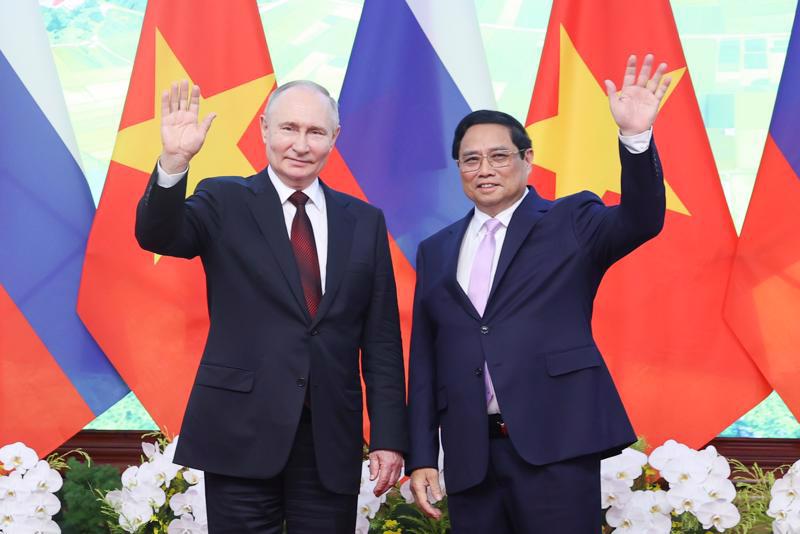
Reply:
x=309, y=85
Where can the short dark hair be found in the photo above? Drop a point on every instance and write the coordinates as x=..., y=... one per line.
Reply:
x=519, y=136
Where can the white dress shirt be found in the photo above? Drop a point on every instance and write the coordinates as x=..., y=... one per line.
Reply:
x=315, y=208
x=635, y=144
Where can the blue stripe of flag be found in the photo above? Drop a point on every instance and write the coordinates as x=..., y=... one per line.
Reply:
x=46, y=211
x=399, y=108
x=787, y=104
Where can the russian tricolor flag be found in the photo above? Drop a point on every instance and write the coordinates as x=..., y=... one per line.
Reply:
x=416, y=69
x=53, y=377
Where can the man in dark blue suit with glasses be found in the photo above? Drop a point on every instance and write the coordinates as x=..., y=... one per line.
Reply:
x=502, y=355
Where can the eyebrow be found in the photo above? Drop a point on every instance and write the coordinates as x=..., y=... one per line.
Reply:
x=492, y=149
x=297, y=125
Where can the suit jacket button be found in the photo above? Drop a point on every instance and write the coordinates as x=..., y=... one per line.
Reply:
x=484, y=330
x=301, y=382
x=478, y=371
x=314, y=332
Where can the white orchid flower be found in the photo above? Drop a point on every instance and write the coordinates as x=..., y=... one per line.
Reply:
x=158, y=472
x=149, y=449
x=42, y=477
x=134, y=514
x=719, y=488
x=17, y=456
x=368, y=504
x=718, y=514
x=154, y=496
x=783, y=506
x=405, y=491
x=129, y=477
x=362, y=524
x=787, y=486
x=184, y=525
x=787, y=525
x=670, y=450
x=43, y=505
x=626, y=466
x=114, y=498
x=169, y=450
x=686, y=497
x=686, y=469
x=628, y=519
x=34, y=526
x=614, y=492
x=180, y=504
x=192, y=476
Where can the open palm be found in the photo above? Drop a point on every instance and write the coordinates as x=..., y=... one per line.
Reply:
x=635, y=106
x=181, y=134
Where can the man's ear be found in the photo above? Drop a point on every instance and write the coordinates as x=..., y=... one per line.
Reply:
x=336, y=135
x=263, y=122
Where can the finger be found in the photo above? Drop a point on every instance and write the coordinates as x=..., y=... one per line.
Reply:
x=656, y=79
x=436, y=489
x=165, y=103
x=630, y=71
x=644, y=74
x=194, y=102
x=173, y=97
x=420, y=493
x=374, y=466
x=383, y=481
x=611, y=89
x=421, y=499
x=205, y=125
x=394, y=475
x=183, y=97
x=662, y=88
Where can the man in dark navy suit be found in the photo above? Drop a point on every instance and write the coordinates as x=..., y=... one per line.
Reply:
x=299, y=283
x=502, y=355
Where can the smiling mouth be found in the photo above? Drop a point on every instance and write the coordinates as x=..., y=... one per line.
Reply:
x=488, y=186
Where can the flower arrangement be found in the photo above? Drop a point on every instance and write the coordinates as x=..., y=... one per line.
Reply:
x=27, y=491
x=158, y=496
x=785, y=504
x=675, y=489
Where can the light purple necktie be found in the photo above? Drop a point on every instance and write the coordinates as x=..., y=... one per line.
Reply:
x=480, y=281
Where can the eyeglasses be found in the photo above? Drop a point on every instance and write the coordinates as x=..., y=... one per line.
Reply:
x=497, y=160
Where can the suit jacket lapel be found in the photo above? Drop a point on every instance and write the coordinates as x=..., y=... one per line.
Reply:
x=268, y=213
x=457, y=232
x=522, y=222
x=341, y=225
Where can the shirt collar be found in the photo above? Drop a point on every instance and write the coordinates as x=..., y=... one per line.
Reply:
x=479, y=217
x=314, y=190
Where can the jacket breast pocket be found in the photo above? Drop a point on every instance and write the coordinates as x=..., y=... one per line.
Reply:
x=230, y=378
x=561, y=363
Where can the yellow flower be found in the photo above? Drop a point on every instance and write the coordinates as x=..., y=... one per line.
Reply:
x=390, y=523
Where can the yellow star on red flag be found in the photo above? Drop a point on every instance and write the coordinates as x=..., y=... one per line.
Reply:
x=585, y=124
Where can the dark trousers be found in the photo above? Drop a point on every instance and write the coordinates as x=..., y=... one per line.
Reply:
x=296, y=496
x=519, y=498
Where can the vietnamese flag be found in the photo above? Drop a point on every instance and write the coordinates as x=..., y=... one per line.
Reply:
x=148, y=313
x=763, y=304
x=658, y=315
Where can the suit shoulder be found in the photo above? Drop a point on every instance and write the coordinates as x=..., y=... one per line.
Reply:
x=355, y=205
x=437, y=238
x=223, y=182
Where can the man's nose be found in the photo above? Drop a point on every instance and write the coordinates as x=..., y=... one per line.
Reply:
x=300, y=144
x=485, y=169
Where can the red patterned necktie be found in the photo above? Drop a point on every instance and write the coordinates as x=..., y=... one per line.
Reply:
x=305, y=253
